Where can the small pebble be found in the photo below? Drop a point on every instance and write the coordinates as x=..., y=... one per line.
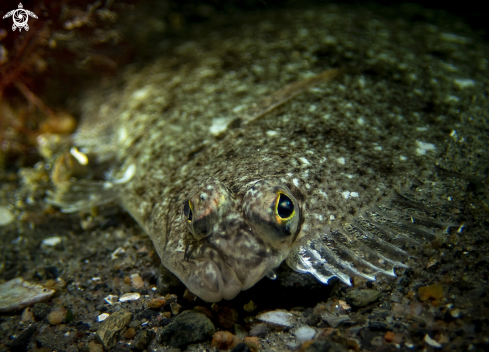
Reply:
x=175, y=308
x=166, y=315
x=224, y=340
x=362, y=297
x=156, y=303
x=455, y=313
x=130, y=333
x=187, y=327
x=56, y=317
x=389, y=336
x=415, y=308
x=134, y=324
x=204, y=310
x=432, y=291
x=110, y=329
x=250, y=306
x=313, y=320
x=240, y=331
x=398, y=309
x=252, y=342
x=260, y=330
x=95, y=347
x=41, y=311
x=137, y=281
x=227, y=317
x=171, y=297
x=142, y=340
x=27, y=315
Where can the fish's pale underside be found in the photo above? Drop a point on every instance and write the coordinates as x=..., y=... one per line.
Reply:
x=231, y=174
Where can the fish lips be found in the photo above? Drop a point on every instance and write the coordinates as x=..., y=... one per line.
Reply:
x=228, y=263
x=213, y=280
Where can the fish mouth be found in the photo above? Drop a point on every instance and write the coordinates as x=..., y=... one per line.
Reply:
x=219, y=267
x=215, y=276
x=213, y=280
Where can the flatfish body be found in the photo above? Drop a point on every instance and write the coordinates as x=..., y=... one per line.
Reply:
x=344, y=180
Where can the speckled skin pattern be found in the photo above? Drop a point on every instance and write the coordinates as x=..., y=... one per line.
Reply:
x=337, y=150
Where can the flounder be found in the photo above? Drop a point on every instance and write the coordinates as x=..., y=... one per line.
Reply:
x=231, y=174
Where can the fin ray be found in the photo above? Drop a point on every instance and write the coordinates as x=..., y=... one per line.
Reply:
x=73, y=196
x=379, y=239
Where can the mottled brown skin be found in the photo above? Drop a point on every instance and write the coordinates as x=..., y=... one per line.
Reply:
x=236, y=238
x=271, y=160
x=338, y=151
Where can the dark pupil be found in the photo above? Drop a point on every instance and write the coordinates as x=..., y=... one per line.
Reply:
x=187, y=211
x=285, y=207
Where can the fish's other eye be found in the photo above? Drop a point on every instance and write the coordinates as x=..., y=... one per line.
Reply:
x=284, y=207
x=272, y=212
x=208, y=206
x=187, y=210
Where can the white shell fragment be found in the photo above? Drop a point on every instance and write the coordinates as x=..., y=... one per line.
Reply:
x=279, y=317
x=219, y=125
x=51, y=241
x=344, y=305
x=304, y=333
x=79, y=156
x=431, y=342
x=127, y=176
x=6, y=216
x=17, y=294
x=133, y=296
x=117, y=252
x=102, y=317
x=111, y=299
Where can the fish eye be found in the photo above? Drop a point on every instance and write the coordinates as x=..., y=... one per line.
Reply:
x=284, y=207
x=187, y=210
x=206, y=208
x=272, y=212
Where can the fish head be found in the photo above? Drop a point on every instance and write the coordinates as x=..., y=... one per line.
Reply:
x=234, y=240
